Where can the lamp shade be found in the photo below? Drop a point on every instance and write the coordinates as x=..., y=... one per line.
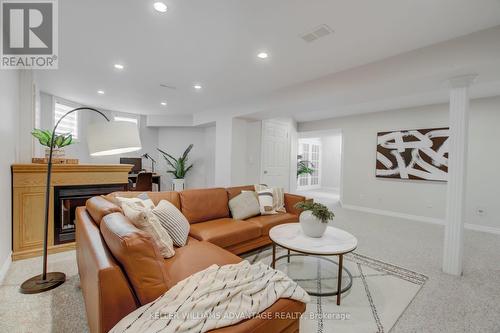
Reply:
x=113, y=137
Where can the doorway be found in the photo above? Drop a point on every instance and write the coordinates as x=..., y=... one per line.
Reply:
x=319, y=165
x=309, y=164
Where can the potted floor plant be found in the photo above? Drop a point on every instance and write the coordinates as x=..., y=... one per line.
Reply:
x=60, y=141
x=314, y=218
x=304, y=167
x=178, y=168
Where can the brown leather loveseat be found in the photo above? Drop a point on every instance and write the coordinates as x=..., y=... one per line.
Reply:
x=121, y=268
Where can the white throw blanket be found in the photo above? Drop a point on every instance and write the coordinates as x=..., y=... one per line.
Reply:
x=215, y=297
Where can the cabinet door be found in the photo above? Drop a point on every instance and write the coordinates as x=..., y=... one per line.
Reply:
x=28, y=218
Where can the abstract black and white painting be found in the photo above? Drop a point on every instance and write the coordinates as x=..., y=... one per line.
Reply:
x=413, y=154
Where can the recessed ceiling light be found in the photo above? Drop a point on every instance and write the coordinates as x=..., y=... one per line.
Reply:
x=100, y=92
x=164, y=103
x=160, y=7
x=262, y=55
x=197, y=86
x=119, y=66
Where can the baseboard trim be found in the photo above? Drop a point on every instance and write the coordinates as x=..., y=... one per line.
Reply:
x=5, y=267
x=425, y=219
x=482, y=228
x=419, y=218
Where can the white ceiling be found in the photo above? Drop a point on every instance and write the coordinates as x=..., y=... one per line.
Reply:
x=215, y=43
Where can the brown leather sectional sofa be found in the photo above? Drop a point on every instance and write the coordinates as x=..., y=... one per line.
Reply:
x=121, y=268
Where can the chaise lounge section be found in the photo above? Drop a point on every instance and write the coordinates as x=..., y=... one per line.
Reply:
x=121, y=268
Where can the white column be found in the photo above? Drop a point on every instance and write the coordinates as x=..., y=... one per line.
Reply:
x=455, y=200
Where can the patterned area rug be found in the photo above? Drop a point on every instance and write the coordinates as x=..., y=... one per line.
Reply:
x=379, y=295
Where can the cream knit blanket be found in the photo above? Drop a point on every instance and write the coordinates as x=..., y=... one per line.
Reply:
x=215, y=297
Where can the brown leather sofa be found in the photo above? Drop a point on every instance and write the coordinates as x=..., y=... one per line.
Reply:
x=121, y=268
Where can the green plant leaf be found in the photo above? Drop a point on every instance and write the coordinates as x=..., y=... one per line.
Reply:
x=67, y=141
x=43, y=136
x=186, y=152
x=59, y=140
x=166, y=154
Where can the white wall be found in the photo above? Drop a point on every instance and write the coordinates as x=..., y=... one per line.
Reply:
x=239, y=158
x=9, y=104
x=421, y=198
x=210, y=156
x=245, y=158
x=253, y=146
x=149, y=135
x=331, y=151
x=174, y=140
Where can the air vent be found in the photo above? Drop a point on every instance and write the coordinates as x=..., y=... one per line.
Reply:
x=318, y=32
x=163, y=85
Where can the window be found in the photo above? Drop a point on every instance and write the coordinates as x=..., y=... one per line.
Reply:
x=70, y=123
x=129, y=119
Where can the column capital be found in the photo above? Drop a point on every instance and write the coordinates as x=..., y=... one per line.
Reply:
x=462, y=81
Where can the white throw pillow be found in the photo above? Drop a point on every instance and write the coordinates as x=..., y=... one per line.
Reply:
x=278, y=196
x=145, y=220
x=244, y=205
x=148, y=203
x=266, y=202
x=174, y=222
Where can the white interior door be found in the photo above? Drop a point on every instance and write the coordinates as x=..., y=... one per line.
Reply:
x=275, y=160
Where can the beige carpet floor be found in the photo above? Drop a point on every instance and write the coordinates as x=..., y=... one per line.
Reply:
x=467, y=304
x=379, y=295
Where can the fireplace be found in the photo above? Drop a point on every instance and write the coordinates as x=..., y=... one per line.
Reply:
x=66, y=199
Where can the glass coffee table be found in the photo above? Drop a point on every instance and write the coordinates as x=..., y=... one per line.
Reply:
x=335, y=242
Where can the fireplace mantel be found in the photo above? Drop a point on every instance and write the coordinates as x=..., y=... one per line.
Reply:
x=28, y=200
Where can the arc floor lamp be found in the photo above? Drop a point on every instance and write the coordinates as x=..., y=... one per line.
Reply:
x=111, y=138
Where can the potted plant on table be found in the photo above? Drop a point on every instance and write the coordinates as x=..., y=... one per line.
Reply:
x=178, y=167
x=314, y=218
x=60, y=141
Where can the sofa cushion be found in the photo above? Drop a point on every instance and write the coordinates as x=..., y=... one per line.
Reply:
x=244, y=205
x=144, y=219
x=98, y=207
x=204, y=204
x=137, y=253
x=266, y=222
x=234, y=191
x=145, y=203
x=156, y=197
x=196, y=257
x=225, y=232
x=173, y=221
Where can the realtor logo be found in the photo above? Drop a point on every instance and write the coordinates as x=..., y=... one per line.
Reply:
x=29, y=34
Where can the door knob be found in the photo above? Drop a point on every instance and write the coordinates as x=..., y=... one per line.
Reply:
x=265, y=172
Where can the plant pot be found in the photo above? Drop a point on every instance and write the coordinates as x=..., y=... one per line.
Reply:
x=56, y=153
x=311, y=225
x=178, y=185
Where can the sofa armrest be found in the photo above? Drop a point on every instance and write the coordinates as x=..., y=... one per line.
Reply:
x=291, y=200
x=107, y=294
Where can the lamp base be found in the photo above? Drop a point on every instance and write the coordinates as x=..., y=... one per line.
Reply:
x=36, y=285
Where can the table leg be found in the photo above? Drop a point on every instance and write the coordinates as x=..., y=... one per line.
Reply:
x=339, y=278
x=273, y=263
x=158, y=183
x=288, y=259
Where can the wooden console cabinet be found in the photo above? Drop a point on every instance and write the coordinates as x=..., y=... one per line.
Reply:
x=28, y=200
